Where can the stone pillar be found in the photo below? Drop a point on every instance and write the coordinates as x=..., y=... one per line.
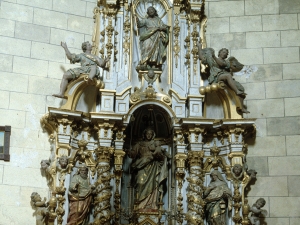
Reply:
x=180, y=159
x=118, y=162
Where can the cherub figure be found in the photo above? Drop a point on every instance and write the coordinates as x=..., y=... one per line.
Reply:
x=237, y=171
x=63, y=164
x=89, y=64
x=221, y=69
x=45, y=163
x=257, y=211
x=252, y=173
x=48, y=170
x=41, y=212
x=63, y=167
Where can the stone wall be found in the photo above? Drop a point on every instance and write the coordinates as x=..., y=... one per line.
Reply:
x=31, y=65
x=266, y=33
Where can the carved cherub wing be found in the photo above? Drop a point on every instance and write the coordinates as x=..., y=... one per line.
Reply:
x=235, y=65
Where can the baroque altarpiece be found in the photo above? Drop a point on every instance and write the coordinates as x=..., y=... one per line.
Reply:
x=151, y=127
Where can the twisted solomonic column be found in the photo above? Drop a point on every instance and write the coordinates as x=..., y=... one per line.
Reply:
x=102, y=213
x=195, y=213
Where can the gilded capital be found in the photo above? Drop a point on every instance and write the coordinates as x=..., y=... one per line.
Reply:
x=104, y=154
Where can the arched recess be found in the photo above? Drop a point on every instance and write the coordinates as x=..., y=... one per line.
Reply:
x=159, y=117
x=149, y=103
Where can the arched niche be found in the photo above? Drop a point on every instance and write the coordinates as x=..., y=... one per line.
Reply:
x=159, y=119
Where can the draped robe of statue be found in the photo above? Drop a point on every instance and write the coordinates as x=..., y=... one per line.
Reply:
x=86, y=61
x=80, y=201
x=218, y=198
x=153, y=42
x=150, y=170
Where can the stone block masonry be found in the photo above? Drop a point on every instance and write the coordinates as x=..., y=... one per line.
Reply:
x=31, y=66
x=271, y=31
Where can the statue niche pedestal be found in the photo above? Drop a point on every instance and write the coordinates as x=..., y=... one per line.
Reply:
x=150, y=88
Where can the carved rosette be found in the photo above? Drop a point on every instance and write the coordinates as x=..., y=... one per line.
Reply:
x=196, y=204
x=102, y=212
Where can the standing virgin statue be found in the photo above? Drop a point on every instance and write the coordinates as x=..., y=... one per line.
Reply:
x=218, y=198
x=154, y=38
x=149, y=168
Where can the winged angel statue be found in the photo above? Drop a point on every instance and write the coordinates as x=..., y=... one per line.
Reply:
x=222, y=69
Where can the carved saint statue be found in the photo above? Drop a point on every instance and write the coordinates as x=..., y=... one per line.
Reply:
x=257, y=211
x=218, y=198
x=154, y=38
x=150, y=170
x=221, y=69
x=89, y=64
x=80, y=197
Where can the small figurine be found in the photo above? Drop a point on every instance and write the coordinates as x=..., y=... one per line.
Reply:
x=41, y=211
x=80, y=197
x=237, y=170
x=45, y=163
x=89, y=64
x=218, y=198
x=47, y=170
x=252, y=174
x=257, y=211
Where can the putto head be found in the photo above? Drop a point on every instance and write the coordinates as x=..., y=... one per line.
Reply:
x=35, y=197
x=63, y=161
